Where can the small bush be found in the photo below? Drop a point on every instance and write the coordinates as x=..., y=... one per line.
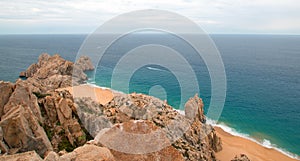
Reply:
x=41, y=95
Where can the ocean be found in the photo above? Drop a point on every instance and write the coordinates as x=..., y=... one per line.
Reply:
x=263, y=78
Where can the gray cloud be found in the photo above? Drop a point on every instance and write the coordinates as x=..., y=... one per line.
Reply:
x=215, y=16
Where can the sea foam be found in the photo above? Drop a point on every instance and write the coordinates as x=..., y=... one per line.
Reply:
x=265, y=143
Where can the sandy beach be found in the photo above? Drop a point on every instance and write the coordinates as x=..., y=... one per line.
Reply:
x=98, y=94
x=235, y=145
x=232, y=145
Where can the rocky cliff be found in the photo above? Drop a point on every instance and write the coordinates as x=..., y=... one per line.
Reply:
x=37, y=121
x=36, y=117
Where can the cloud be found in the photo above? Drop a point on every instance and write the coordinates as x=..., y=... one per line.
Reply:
x=215, y=16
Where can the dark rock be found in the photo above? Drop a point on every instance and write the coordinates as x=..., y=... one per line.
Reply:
x=241, y=157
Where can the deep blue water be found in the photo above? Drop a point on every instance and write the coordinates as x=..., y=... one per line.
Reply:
x=263, y=76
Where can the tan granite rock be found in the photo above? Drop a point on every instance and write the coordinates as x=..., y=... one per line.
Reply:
x=88, y=153
x=6, y=89
x=21, y=122
x=194, y=139
x=139, y=141
x=52, y=156
x=193, y=109
x=61, y=122
x=55, y=72
x=85, y=63
x=26, y=156
x=22, y=132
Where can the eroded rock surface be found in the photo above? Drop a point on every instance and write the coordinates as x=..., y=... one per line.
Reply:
x=138, y=113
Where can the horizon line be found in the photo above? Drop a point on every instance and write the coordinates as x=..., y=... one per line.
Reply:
x=283, y=34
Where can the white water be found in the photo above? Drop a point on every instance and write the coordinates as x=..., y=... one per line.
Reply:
x=152, y=68
x=265, y=143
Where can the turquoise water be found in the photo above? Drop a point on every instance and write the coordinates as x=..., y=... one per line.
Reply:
x=263, y=77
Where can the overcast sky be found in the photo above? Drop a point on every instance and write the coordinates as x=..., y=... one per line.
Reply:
x=214, y=16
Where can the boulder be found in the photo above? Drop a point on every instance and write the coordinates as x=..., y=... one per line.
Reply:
x=26, y=156
x=88, y=152
x=52, y=156
x=138, y=141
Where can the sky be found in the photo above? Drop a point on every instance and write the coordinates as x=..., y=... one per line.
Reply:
x=214, y=16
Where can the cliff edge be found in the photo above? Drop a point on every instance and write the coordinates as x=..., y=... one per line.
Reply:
x=38, y=121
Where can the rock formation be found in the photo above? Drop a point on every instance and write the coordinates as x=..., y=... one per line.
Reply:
x=241, y=157
x=34, y=116
x=21, y=120
x=38, y=121
x=60, y=121
x=85, y=63
x=195, y=142
x=52, y=72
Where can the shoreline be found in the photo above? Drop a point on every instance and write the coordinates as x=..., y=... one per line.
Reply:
x=265, y=144
x=233, y=143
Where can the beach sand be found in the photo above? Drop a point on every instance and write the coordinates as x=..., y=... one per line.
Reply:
x=232, y=145
x=98, y=94
x=235, y=145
